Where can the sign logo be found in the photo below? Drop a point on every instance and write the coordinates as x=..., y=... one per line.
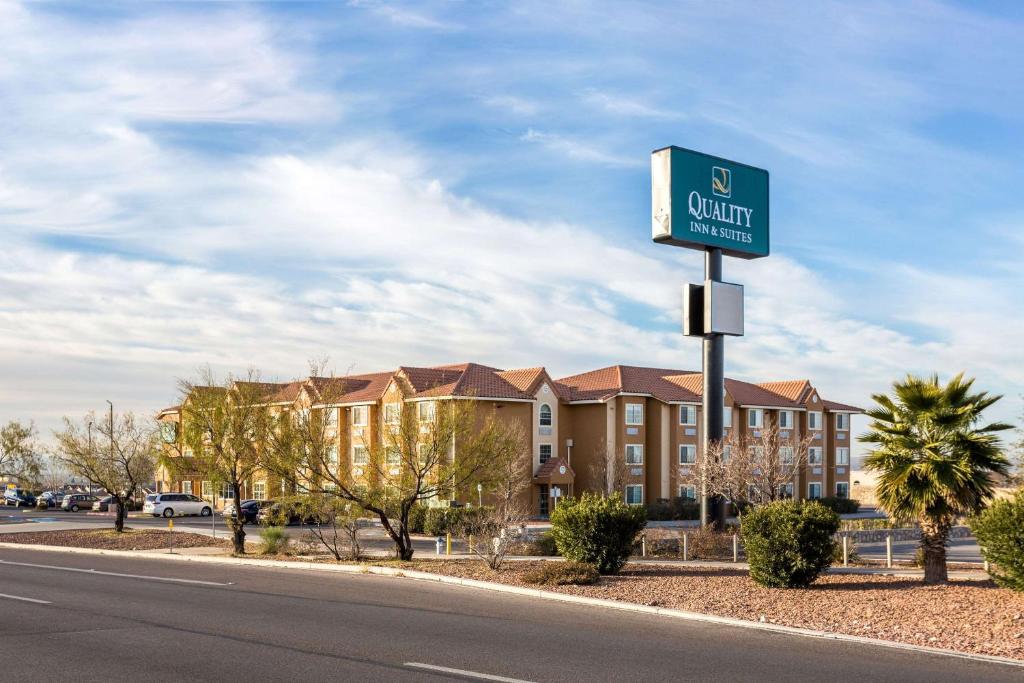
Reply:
x=721, y=181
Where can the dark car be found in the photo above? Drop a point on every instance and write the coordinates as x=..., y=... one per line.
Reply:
x=73, y=502
x=251, y=510
x=52, y=499
x=277, y=513
x=19, y=498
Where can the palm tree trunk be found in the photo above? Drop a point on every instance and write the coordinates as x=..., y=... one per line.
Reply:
x=934, y=536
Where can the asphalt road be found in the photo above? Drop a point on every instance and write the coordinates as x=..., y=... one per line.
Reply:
x=163, y=621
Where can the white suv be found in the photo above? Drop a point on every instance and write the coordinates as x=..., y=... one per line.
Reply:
x=173, y=504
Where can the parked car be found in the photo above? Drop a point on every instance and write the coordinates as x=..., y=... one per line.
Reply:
x=250, y=509
x=275, y=513
x=104, y=504
x=52, y=499
x=19, y=498
x=73, y=502
x=174, y=504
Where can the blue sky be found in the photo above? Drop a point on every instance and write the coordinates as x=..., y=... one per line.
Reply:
x=384, y=183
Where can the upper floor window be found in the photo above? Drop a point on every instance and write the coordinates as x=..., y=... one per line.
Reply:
x=359, y=455
x=687, y=454
x=635, y=495
x=842, y=421
x=814, y=420
x=814, y=455
x=687, y=415
x=786, y=455
x=545, y=415
x=634, y=413
x=545, y=452
x=393, y=456
x=425, y=411
x=392, y=413
x=727, y=417
x=360, y=416
x=842, y=456
x=726, y=453
x=755, y=418
x=332, y=455
x=330, y=417
x=785, y=419
x=634, y=454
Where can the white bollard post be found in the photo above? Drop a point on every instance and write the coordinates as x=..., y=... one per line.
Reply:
x=440, y=544
x=735, y=548
x=888, y=550
x=846, y=551
x=686, y=546
x=643, y=545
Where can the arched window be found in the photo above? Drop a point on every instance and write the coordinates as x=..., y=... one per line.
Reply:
x=545, y=415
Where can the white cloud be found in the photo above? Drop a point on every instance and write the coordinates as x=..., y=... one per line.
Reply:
x=578, y=150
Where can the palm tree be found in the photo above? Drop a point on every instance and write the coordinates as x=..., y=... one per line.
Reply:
x=933, y=458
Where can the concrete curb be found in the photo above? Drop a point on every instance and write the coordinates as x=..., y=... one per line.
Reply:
x=516, y=590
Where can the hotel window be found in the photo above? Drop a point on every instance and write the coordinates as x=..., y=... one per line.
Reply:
x=785, y=419
x=393, y=456
x=359, y=416
x=186, y=487
x=359, y=455
x=207, y=488
x=226, y=491
x=842, y=489
x=756, y=453
x=259, y=490
x=635, y=494
x=545, y=452
x=332, y=455
x=545, y=415
x=688, y=492
x=786, y=490
x=392, y=413
x=727, y=417
x=814, y=455
x=687, y=454
x=726, y=453
x=842, y=456
x=425, y=411
x=814, y=420
x=634, y=454
x=786, y=455
x=814, y=491
x=842, y=421
x=688, y=415
x=755, y=418
x=330, y=417
x=634, y=413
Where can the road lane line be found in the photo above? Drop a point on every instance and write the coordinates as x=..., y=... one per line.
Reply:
x=18, y=597
x=125, y=576
x=464, y=672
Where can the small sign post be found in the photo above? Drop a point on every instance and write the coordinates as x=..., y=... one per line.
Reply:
x=719, y=207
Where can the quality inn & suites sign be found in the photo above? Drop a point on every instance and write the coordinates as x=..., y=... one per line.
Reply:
x=705, y=202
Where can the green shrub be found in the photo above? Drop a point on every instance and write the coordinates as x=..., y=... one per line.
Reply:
x=274, y=540
x=566, y=573
x=788, y=544
x=596, y=529
x=417, y=518
x=660, y=511
x=685, y=508
x=840, y=506
x=1000, y=532
x=542, y=546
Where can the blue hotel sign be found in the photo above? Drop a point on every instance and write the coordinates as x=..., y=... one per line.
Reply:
x=704, y=202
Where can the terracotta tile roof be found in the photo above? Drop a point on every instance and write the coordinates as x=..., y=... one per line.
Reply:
x=795, y=390
x=466, y=379
x=840, y=407
x=352, y=388
x=549, y=471
x=664, y=385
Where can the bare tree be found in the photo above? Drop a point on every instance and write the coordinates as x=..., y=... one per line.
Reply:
x=423, y=453
x=224, y=426
x=53, y=473
x=332, y=522
x=495, y=527
x=119, y=462
x=609, y=468
x=745, y=469
x=19, y=459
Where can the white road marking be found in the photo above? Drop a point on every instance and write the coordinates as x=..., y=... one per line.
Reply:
x=467, y=674
x=125, y=576
x=18, y=597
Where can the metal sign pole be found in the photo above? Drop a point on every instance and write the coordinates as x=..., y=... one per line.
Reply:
x=714, y=384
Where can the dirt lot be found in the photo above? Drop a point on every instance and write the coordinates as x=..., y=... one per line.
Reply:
x=108, y=539
x=969, y=616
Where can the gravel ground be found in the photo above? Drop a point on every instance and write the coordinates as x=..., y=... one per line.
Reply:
x=108, y=539
x=969, y=616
